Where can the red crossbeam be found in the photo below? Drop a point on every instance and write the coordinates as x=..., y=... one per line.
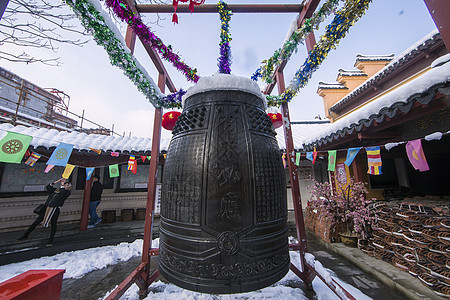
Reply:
x=125, y=285
x=212, y=8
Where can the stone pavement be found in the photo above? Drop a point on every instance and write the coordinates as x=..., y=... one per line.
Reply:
x=375, y=278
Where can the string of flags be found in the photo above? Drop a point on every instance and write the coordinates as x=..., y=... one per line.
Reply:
x=413, y=148
x=14, y=146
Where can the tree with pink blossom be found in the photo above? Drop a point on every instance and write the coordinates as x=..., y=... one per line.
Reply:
x=346, y=204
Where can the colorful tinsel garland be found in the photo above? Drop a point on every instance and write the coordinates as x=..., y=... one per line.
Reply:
x=174, y=100
x=225, y=38
x=337, y=29
x=290, y=46
x=119, y=56
x=122, y=11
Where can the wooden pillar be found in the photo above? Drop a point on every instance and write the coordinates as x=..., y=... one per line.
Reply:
x=85, y=207
x=359, y=169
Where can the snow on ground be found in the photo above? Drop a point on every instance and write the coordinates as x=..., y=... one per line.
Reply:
x=79, y=263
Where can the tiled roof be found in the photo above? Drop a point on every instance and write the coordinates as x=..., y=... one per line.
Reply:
x=430, y=39
x=362, y=57
x=301, y=131
x=43, y=137
x=421, y=89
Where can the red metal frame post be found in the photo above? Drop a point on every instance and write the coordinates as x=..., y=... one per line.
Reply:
x=295, y=187
x=440, y=12
x=151, y=191
x=141, y=276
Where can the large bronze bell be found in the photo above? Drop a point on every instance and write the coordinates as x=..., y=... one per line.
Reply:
x=223, y=222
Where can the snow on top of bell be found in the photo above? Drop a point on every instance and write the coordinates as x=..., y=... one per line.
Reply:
x=224, y=82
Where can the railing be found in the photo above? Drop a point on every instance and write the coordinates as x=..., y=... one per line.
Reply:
x=56, y=115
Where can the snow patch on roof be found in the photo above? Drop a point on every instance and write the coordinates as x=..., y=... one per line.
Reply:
x=402, y=55
x=301, y=131
x=441, y=60
x=292, y=28
x=325, y=85
x=342, y=72
x=363, y=57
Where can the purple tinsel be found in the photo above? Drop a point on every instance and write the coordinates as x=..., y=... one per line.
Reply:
x=176, y=97
x=147, y=37
x=224, y=59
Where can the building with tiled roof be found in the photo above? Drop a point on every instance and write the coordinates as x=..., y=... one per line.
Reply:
x=406, y=98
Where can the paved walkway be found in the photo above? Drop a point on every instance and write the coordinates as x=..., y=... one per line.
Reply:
x=375, y=278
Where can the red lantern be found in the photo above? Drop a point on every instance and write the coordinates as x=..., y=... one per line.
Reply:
x=169, y=119
x=276, y=119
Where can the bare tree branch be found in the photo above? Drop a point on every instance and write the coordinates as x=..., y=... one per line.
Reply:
x=43, y=24
x=38, y=24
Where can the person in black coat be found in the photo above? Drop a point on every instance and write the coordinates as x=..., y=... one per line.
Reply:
x=96, y=196
x=50, y=212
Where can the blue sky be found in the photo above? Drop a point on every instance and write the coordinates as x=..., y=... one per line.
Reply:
x=108, y=97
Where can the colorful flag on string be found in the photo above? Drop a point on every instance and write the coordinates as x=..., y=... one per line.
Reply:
x=132, y=164
x=331, y=160
x=297, y=158
x=416, y=156
x=284, y=160
x=351, y=154
x=312, y=155
x=89, y=172
x=48, y=168
x=374, y=160
x=114, y=171
x=34, y=157
x=60, y=155
x=13, y=147
x=149, y=157
x=164, y=155
x=143, y=158
x=115, y=154
x=98, y=151
x=67, y=171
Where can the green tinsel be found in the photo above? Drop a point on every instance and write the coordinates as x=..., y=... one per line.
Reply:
x=290, y=46
x=344, y=19
x=95, y=24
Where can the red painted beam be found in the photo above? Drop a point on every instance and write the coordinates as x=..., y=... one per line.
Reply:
x=440, y=12
x=125, y=285
x=154, y=56
x=130, y=40
x=212, y=8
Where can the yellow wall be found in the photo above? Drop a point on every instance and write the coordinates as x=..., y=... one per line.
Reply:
x=351, y=82
x=330, y=97
x=349, y=174
x=371, y=67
